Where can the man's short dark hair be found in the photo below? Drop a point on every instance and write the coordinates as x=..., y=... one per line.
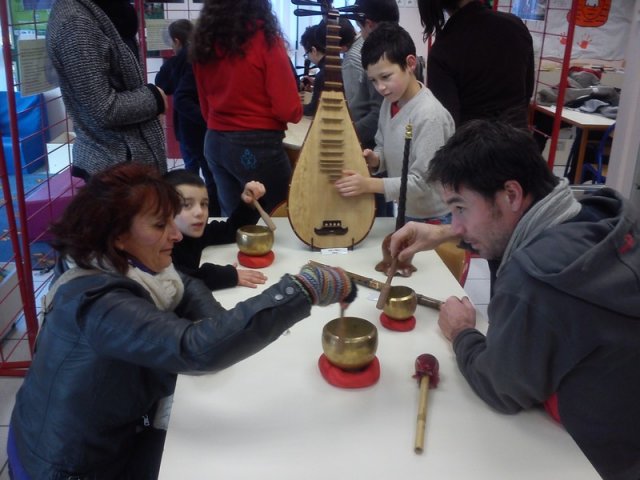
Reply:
x=482, y=155
x=388, y=40
x=376, y=11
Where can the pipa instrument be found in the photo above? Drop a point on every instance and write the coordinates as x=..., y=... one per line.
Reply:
x=318, y=214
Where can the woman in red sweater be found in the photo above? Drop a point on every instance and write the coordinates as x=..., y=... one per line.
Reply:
x=248, y=93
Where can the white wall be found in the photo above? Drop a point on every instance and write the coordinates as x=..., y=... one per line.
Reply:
x=624, y=165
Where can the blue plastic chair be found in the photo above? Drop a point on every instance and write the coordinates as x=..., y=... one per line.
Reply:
x=598, y=170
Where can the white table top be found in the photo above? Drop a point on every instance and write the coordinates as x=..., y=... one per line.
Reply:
x=578, y=118
x=273, y=416
x=296, y=133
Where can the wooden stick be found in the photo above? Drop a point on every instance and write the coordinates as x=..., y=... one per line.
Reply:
x=376, y=285
x=384, y=290
x=422, y=414
x=265, y=216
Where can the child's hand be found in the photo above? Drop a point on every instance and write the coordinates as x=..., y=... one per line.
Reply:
x=352, y=184
x=250, y=278
x=253, y=190
x=372, y=158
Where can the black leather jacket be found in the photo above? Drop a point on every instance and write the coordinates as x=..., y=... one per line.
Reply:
x=106, y=355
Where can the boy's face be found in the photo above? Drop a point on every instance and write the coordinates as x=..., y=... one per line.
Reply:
x=195, y=210
x=390, y=80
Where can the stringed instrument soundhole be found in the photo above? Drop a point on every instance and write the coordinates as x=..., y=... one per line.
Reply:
x=331, y=227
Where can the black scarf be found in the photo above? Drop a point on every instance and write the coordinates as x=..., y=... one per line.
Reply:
x=123, y=16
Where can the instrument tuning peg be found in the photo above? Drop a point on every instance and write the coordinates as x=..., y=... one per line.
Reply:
x=299, y=12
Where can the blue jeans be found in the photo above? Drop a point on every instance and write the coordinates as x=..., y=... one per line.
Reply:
x=236, y=158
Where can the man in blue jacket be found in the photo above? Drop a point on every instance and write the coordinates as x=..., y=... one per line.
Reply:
x=564, y=317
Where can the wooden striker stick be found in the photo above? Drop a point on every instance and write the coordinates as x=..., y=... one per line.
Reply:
x=422, y=414
x=265, y=216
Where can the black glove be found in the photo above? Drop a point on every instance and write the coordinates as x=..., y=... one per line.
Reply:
x=326, y=285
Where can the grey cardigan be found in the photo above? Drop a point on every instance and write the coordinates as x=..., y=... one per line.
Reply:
x=115, y=114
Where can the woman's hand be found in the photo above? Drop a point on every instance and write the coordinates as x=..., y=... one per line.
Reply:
x=327, y=285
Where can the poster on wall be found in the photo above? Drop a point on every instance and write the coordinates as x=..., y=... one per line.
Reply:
x=601, y=28
x=37, y=4
x=158, y=34
x=529, y=9
x=33, y=65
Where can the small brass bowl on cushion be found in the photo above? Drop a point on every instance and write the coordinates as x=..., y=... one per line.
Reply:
x=401, y=303
x=350, y=343
x=254, y=240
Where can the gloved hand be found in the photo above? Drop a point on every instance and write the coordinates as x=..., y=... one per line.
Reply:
x=327, y=285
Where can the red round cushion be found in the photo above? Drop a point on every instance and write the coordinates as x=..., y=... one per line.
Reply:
x=398, y=325
x=337, y=377
x=256, y=262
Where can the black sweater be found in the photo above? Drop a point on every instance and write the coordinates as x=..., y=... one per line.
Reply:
x=481, y=66
x=186, y=254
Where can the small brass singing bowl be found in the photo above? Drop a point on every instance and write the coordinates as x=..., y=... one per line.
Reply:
x=401, y=303
x=254, y=240
x=350, y=343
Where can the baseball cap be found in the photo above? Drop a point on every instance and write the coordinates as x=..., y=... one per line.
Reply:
x=374, y=10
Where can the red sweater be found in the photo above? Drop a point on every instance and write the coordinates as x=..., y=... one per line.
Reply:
x=254, y=92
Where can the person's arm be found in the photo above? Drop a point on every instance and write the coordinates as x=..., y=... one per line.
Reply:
x=204, y=336
x=165, y=76
x=83, y=61
x=185, y=97
x=430, y=132
x=285, y=100
x=416, y=237
x=443, y=86
x=310, y=108
x=516, y=366
x=220, y=232
x=367, y=111
x=217, y=277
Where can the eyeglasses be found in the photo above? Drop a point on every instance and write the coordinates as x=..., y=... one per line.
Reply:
x=306, y=55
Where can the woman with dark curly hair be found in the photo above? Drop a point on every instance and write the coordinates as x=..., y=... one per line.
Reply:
x=247, y=94
x=120, y=323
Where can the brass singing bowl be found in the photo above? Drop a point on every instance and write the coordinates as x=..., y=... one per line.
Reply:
x=350, y=343
x=254, y=240
x=401, y=303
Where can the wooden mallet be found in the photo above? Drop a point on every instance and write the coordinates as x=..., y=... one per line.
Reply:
x=386, y=287
x=264, y=215
x=427, y=375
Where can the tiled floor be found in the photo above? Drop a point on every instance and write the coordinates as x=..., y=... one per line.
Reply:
x=16, y=343
x=477, y=287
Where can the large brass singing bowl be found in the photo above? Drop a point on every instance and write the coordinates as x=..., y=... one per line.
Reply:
x=350, y=343
x=254, y=240
x=401, y=303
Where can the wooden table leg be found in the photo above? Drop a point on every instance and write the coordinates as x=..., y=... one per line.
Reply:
x=584, y=138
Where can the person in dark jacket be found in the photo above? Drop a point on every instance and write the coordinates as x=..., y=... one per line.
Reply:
x=119, y=325
x=93, y=49
x=176, y=78
x=564, y=317
x=197, y=234
x=481, y=63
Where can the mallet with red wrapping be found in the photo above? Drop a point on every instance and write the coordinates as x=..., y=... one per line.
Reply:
x=427, y=375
